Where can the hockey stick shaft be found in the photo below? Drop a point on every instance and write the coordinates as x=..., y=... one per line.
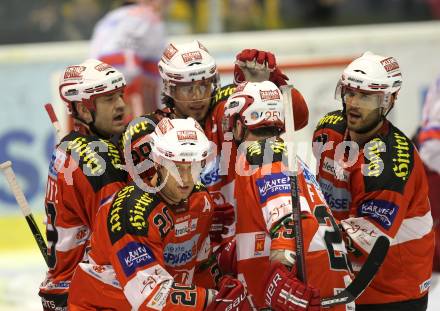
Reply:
x=53, y=118
x=364, y=277
x=289, y=124
x=6, y=168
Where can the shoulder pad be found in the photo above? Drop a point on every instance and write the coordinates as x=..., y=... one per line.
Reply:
x=224, y=92
x=389, y=162
x=137, y=128
x=334, y=120
x=266, y=151
x=98, y=158
x=129, y=212
x=199, y=187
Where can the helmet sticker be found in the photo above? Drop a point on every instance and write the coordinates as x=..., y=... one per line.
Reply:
x=74, y=72
x=165, y=125
x=389, y=64
x=170, y=51
x=186, y=135
x=269, y=95
x=192, y=57
x=102, y=67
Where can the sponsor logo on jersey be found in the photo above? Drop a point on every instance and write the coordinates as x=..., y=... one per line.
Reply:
x=259, y=243
x=210, y=175
x=133, y=256
x=137, y=213
x=159, y=299
x=271, y=185
x=330, y=119
x=401, y=157
x=338, y=199
x=179, y=254
x=335, y=169
x=372, y=152
x=114, y=220
x=182, y=228
x=193, y=225
x=60, y=159
x=425, y=286
x=381, y=211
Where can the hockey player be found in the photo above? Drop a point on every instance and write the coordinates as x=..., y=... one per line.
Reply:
x=429, y=148
x=373, y=180
x=84, y=171
x=192, y=88
x=255, y=115
x=131, y=38
x=147, y=247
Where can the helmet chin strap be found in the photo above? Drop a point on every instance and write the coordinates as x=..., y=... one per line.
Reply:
x=94, y=129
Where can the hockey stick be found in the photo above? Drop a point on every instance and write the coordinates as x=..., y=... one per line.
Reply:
x=53, y=118
x=364, y=277
x=289, y=124
x=6, y=168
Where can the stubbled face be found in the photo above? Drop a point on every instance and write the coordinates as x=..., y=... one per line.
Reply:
x=173, y=189
x=110, y=113
x=362, y=110
x=192, y=99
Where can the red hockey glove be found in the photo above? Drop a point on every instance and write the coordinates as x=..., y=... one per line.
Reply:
x=256, y=66
x=223, y=216
x=231, y=296
x=227, y=258
x=285, y=292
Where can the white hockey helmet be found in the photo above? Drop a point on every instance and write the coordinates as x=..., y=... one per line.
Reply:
x=186, y=63
x=371, y=73
x=257, y=104
x=179, y=140
x=83, y=82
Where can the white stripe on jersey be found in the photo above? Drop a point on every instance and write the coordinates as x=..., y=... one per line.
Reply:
x=70, y=238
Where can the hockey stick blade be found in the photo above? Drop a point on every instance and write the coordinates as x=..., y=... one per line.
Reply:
x=363, y=278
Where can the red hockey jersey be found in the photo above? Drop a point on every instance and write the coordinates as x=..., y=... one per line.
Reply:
x=84, y=173
x=380, y=190
x=263, y=198
x=146, y=255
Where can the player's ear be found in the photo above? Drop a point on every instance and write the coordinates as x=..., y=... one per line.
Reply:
x=83, y=112
x=238, y=130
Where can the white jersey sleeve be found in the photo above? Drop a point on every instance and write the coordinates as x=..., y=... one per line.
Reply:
x=430, y=132
x=132, y=33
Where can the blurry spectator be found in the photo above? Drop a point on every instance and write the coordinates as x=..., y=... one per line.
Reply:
x=429, y=148
x=132, y=38
x=235, y=20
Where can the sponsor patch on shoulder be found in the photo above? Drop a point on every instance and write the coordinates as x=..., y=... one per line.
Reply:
x=135, y=255
x=271, y=185
x=383, y=212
